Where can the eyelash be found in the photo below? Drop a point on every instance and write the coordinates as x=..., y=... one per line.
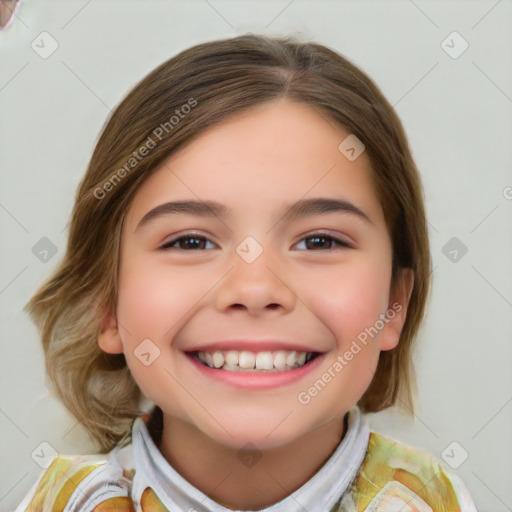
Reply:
x=341, y=243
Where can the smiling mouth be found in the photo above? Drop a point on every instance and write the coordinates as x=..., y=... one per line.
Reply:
x=246, y=361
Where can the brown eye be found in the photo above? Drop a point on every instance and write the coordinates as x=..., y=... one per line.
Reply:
x=190, y=242
x=321, y=241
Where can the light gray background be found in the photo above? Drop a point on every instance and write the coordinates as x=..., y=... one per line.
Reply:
x=457, y=113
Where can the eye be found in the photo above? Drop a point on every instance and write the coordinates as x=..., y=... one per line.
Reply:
x=198, y=242
x=323, y=241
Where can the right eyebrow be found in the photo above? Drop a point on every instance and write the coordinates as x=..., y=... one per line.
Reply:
x=198, y=208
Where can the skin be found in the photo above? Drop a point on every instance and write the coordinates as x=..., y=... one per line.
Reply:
x=321, y=295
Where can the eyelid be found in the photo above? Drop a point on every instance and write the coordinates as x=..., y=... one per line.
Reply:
x=322, y=232
x=342, y=242
x=174, y=238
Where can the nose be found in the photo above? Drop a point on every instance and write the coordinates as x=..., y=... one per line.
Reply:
x=258, y=285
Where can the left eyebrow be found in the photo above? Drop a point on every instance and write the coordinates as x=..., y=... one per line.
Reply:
x=299, y=209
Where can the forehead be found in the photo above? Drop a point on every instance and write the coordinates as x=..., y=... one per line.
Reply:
x=256, y=161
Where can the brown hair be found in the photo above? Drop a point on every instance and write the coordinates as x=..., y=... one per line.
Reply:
x=182, y=97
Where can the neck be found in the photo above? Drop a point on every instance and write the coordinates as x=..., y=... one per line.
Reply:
x=267, y=476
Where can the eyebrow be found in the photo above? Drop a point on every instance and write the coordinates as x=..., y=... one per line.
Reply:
x=299, y=209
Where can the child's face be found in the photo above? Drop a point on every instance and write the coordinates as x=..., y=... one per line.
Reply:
x=303, y=291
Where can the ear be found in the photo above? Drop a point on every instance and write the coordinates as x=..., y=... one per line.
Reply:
x=109, y=339
x=397, y=309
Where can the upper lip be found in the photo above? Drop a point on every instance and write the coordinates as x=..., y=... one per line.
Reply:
x=251, y=346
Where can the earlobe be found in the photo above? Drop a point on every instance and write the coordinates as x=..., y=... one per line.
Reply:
x=109, y=339
x=397, y=309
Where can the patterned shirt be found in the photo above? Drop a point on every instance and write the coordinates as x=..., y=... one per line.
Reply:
x=368, y=472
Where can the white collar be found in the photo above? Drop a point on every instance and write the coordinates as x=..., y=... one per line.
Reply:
x=321, y=492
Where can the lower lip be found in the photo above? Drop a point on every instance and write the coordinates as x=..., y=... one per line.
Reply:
x=257, y=380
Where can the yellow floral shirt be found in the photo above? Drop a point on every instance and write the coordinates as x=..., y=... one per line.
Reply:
x=368, y=472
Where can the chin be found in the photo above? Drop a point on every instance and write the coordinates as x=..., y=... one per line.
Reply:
x=264, y=432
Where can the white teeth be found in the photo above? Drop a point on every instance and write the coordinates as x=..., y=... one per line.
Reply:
x=218, y=359
x=209, y=358
x=280, y=360
x=246, y=360
x=290, y=361
x=264, y=361
x=233, y=360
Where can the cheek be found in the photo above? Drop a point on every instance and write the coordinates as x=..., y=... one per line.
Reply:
x=153, y=302
x=153, y=299
x=141, y=304
x=349, y=298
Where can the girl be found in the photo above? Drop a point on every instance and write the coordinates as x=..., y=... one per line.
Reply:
x=248, y=254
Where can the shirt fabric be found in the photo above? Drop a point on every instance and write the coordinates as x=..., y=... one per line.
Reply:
x=368, y=472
